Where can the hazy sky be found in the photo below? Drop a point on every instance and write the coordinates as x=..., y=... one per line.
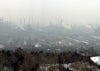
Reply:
x=71, y=11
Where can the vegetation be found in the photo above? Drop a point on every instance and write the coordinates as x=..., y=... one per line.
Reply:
x=25, y=60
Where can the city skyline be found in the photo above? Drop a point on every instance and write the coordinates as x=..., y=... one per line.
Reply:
x=45, y=11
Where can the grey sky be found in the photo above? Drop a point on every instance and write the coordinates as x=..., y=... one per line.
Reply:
x=71, y=11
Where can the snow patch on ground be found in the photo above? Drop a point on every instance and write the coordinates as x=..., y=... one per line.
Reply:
x=96, y=59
